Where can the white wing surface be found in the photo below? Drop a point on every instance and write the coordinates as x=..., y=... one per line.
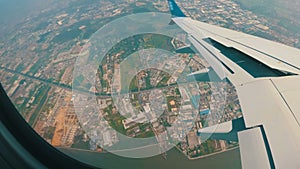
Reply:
x=266, y=76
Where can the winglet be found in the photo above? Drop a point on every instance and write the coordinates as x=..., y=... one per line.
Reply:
x=175, y=10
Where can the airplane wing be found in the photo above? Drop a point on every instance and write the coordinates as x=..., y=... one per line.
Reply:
x=266, y=77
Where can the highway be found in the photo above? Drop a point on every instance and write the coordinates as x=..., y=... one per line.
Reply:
x=81, y=91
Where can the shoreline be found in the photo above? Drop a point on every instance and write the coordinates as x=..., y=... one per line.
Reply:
x=189, y=158
x=208, y=155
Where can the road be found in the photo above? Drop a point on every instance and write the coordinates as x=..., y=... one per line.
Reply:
x=54, y=84
x=81, y=91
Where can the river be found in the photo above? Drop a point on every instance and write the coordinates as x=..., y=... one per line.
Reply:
x=175, y=160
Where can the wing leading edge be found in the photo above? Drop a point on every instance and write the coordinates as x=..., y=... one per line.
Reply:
x=271, y=138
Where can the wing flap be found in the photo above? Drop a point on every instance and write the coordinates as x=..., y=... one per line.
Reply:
x=289, y=88
x=253, y=150
x=263, y=105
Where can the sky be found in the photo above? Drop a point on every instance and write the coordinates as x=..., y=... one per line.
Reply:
x=13, y=11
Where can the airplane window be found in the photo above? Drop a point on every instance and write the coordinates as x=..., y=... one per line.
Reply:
x=116, y=83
